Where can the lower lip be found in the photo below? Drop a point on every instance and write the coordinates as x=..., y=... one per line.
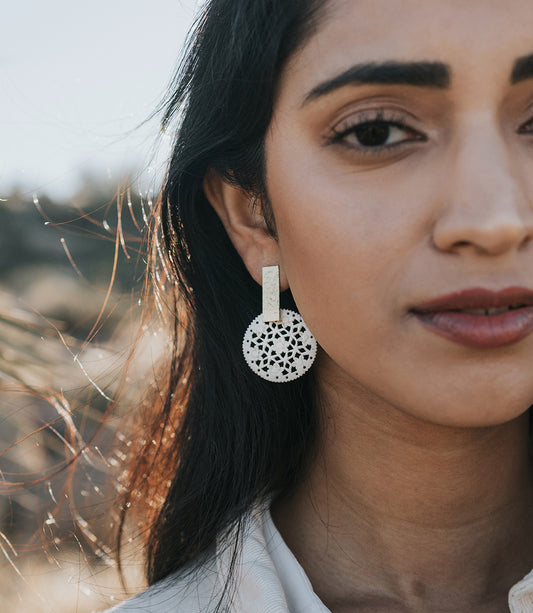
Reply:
x=480, y=331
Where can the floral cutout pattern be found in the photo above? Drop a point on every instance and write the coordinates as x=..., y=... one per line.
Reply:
x=279, y=351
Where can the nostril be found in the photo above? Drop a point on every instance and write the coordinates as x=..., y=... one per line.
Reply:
x=525, y=242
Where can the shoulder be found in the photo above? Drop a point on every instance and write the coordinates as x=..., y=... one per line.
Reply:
x=193, y=590
x=257, y=583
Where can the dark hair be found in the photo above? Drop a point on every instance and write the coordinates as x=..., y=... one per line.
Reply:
x=218, y=437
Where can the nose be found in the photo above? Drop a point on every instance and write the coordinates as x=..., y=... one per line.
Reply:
x=487, y=207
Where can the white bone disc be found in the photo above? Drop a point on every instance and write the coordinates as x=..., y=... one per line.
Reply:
x=279, y=351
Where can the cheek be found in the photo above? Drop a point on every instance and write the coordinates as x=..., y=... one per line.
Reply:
x=344, y=239
x=336, y=266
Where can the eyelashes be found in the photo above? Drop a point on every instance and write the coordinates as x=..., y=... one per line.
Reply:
x=375, y=132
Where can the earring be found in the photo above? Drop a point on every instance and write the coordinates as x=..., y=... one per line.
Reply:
x=278, y=345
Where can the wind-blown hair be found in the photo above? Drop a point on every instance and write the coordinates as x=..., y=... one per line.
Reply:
x=218, y=437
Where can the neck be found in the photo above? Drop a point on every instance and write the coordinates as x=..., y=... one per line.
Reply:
x=409, y=514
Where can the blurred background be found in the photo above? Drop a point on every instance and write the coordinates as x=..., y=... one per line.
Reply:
x=81, y=159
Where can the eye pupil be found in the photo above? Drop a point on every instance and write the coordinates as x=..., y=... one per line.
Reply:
x=373, y=134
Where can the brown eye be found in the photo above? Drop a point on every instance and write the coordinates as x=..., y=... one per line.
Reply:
x=372, y=133
x=375, y=133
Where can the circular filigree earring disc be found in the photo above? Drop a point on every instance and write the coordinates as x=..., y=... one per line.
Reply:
x=279, y=351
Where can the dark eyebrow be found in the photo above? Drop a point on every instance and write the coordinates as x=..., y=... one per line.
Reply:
x=522, y=69
x=418, y=74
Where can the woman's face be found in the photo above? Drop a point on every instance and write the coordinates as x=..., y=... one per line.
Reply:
x=393, y=186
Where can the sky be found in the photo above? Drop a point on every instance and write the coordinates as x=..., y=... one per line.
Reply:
x=76, y=81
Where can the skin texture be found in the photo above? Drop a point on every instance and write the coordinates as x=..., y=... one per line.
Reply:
x=421, y=496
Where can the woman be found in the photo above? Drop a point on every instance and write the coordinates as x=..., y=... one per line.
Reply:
x=378, y=154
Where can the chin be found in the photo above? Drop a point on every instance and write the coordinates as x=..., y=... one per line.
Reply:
x=479, y=412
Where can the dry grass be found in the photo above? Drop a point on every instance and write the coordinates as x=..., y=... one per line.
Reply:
x=73, y=586
x=76, y=574
x=47, y=377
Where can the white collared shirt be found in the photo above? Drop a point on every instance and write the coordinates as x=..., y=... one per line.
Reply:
x=269, y=580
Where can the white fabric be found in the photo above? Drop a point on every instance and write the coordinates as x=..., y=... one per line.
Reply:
x=269, y=580
x=521, y=595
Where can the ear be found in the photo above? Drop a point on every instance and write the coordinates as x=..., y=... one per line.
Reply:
x=245, y=227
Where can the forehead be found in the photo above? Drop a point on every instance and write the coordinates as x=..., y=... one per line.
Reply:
x=473, y=37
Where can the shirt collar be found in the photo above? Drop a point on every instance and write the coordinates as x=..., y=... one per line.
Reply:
x=270, y=579
x=521, y=595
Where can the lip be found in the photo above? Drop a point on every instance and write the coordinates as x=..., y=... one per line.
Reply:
x=444, y=316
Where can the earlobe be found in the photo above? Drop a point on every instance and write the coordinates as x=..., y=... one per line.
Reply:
x=244, y=225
